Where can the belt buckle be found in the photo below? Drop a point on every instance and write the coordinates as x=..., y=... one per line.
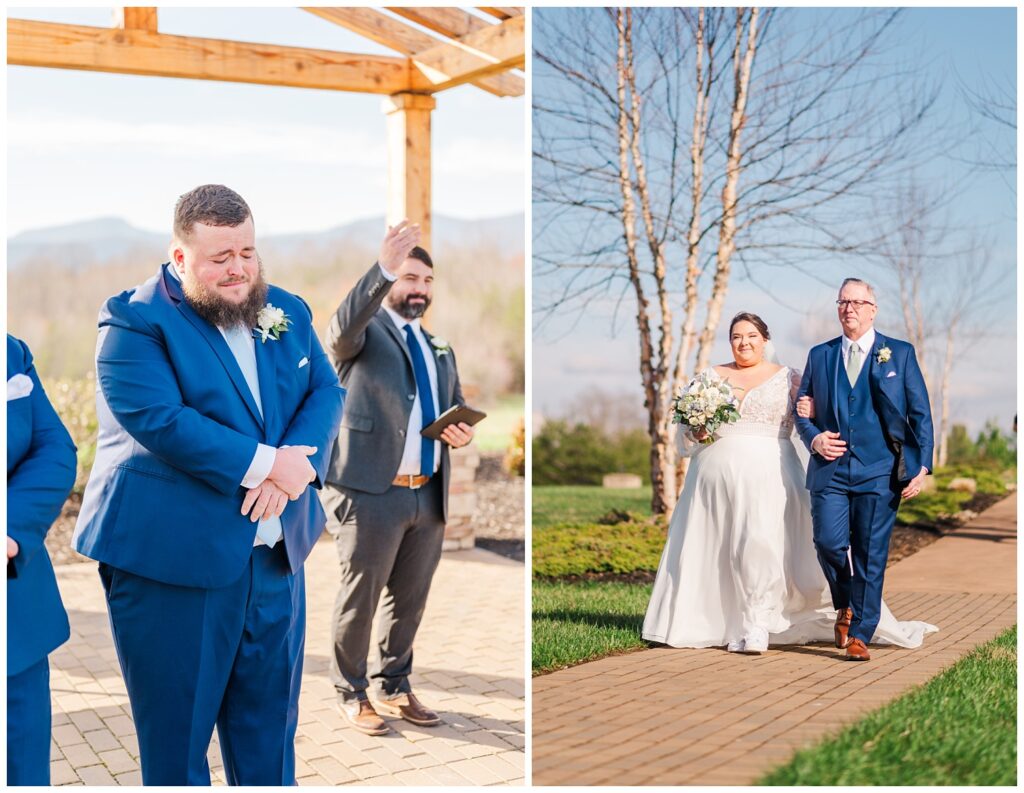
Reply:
x=412, y=486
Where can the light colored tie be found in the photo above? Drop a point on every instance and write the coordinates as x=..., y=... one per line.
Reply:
x=242, y=346
x=853, y=364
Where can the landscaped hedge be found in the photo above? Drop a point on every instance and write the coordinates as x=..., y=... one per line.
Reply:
x=578, y=549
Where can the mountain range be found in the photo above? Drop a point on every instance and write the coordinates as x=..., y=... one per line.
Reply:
x=105, y=239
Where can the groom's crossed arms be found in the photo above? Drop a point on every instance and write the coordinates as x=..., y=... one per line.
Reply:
x=180, y=430
x=142, y=388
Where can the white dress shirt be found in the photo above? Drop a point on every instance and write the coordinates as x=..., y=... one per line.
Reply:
x=865, y=343
x=412, y=453
x=242, y=345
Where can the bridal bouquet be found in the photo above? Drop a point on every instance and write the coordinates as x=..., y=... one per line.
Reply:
x=706, y=404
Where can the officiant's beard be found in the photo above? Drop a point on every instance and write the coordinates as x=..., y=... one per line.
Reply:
x=411, y=310
x=223, y=313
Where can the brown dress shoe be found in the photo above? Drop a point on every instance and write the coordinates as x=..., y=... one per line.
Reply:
x=856, y=650
x=843, y=617
x=407, y=707
x=361, y=715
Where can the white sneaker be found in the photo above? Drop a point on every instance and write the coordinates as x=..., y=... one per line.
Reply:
x=755, y=642
x=735, y=647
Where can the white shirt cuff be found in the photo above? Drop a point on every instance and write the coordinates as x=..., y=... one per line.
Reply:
x=259, y=468
x=386, y=274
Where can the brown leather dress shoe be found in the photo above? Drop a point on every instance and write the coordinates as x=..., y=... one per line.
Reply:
x=842, y=630
x=361, y=715
x=856, y=650
x=409, y=708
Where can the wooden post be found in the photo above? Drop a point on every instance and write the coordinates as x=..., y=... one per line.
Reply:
x=408, y=123
x=135, y=18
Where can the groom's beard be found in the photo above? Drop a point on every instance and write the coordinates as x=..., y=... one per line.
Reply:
x=220, y=312
x=409, y=310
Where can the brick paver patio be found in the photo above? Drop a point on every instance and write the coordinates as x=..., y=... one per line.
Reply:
x=671, y=717
x=469, y=666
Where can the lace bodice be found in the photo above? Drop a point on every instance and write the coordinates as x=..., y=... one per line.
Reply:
x=769, y=405
x=766, y=410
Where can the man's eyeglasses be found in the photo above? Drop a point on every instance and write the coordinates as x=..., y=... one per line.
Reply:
x=857, y=304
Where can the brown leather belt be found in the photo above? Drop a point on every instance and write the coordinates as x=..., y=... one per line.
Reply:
x=412, y=481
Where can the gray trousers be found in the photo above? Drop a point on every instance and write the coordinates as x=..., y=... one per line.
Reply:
x=387, y=543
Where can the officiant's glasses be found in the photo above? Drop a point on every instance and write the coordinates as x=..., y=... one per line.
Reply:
x=857, y=304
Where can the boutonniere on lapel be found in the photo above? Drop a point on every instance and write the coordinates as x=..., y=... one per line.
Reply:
x=272, y=322
x=884, y=354
x=440, y=345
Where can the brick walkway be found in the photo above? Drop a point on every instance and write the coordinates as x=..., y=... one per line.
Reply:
x=469, y=666
x=672, y=717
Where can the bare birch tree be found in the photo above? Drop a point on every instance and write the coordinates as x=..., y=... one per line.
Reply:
x=946, y=285
x=779, y=157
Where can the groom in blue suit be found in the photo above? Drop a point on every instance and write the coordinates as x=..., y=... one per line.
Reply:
x=217, y=409
x=871, y=441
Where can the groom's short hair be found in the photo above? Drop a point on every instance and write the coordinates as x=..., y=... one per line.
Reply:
x=211, y=205
x=862, y=282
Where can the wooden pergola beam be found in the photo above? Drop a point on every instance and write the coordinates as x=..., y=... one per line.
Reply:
x=501, y=13
x=126, y=51
x=495, y=48
x=406, y=39
x=135, y=18
x=451, y=22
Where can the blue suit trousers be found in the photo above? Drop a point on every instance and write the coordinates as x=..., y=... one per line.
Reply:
x=195, y=658
x=855, y=514
x=28, y=725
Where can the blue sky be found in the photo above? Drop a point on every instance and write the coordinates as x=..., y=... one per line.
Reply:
x=576, y=354
x=84, y=144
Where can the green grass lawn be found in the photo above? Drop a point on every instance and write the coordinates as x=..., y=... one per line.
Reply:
x=554, y=504
x=573, y=623
x=960, y=728
x=577, y=622
x=494, y=433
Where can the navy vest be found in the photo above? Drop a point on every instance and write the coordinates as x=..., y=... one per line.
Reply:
x=860, y=425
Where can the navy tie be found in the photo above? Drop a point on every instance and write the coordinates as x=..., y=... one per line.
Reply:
x=419, y=368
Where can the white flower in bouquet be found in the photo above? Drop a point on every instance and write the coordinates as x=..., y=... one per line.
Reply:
x=706, y=404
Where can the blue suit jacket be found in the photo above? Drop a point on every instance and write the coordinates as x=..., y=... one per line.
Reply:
x=40, y=474
x=899, y=395
x=178, y=430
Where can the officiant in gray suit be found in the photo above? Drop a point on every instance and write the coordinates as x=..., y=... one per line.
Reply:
x=386, y=493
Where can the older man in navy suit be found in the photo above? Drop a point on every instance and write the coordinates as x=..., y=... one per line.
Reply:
x=40, y=474
x=868, y=425
x=217, y=410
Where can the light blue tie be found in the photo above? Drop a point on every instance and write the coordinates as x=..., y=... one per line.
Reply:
x=240, y=342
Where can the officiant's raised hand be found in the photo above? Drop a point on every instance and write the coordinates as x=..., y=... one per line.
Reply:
x=400, y=239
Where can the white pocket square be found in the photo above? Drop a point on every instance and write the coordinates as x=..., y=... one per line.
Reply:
x=19, y=386
x=891, y=374
x=303, y=362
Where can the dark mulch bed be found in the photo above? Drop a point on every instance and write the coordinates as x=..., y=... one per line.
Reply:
x=499, y=523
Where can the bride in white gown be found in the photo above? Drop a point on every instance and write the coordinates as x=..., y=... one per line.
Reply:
x=739, y=566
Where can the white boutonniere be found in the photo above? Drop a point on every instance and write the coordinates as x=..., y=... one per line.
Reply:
x=439, y=344
x=272, y=323
x=884, y=354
